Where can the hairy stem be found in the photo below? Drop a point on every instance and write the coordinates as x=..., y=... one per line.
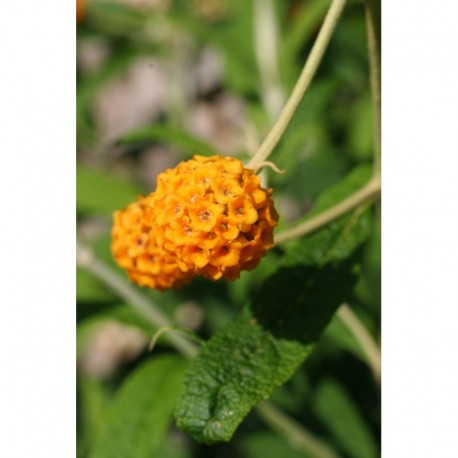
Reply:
x=368, y=192
x=273, y=416
x=363, y=337
x=373, y=42
x=297, y=437
x=302, y=84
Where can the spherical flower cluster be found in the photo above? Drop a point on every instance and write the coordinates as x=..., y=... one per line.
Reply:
x=208, y=216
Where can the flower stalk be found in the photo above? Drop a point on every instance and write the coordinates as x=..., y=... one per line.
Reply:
x=366, y=194
x=306, y=76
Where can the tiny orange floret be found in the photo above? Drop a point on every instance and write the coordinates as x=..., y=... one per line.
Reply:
x=209, y=217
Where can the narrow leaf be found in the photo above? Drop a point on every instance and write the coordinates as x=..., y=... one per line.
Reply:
x=137, y=420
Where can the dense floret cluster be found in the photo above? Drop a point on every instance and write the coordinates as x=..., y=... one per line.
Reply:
x=208, y=216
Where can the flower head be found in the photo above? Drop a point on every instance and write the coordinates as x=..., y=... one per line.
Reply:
x=209, y=216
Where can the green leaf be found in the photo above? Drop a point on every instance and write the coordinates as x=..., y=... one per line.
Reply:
x=101, y=192
x=137, y=419
x=344, y=420
x=339, y=239
x=260, y=350
x=169, y=136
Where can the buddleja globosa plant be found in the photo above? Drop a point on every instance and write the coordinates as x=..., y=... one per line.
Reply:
x=210, y=217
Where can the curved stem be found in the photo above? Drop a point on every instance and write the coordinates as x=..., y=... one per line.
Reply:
x=368, y=192
x=302, y=84
x=373, y=42
x=363, y=337
x=296, y=435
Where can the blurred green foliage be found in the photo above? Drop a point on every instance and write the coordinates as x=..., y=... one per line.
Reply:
x=326, y=153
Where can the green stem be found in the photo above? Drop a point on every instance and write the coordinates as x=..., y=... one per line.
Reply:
x=368, y=192
x=277, y=420
x=306, y=76
x=295, y=434
x=373, y=42
x=363, y=337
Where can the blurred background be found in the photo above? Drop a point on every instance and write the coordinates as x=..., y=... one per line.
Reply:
x=161, y=80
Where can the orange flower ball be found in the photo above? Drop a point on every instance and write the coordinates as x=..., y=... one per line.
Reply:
x=208, y=216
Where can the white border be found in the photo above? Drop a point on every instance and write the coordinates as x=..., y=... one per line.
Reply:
x=37, y=230
x=420, y=230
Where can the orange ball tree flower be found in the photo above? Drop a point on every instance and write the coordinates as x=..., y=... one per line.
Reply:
x=209, y=216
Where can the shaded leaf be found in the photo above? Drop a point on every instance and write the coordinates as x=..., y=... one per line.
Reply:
x=137, y=419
